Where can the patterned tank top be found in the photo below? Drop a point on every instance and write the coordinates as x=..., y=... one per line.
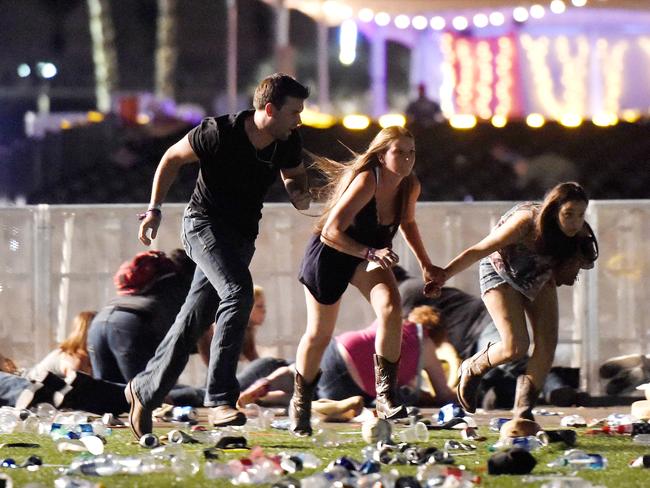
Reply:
x=519, y=264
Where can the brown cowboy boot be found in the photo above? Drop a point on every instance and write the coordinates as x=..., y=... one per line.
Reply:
x=523, y=422
x=386, y=384
x=525, y=398
x=300, y=405
x=471, y=372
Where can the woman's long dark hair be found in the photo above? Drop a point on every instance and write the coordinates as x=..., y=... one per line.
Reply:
x=550, y=240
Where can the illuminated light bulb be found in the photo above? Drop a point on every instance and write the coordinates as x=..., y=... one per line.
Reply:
x=382, y=19
x=24, y=70
x=558, y=7
x=570, y=120
x=460, y=23
x=390, y=120
x=604, y=119
x=520, y=14
x=537, y=11
x=535, y=120
x=348, y=42
x=499, y=121
x=630, y=115
x=462, y=121
x=318, y=120
x=366, y=15
x=419, y=22
x=142, y=119
x=402, y=21
x=497, y=19
x=437, y=23
x=579, y=3
x=480, y=20
x=95, y=117
x=356, y=122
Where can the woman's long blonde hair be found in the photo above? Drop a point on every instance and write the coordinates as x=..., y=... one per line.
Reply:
x=338, y=176
x=76, y=344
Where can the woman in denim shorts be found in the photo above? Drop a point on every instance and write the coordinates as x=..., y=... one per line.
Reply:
x=530, y=252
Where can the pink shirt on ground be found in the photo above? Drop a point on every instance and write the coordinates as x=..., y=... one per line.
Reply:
x=360, y=345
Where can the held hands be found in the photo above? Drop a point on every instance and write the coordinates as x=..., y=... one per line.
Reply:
x=434, y=277
x=151, y=221
x=385, y=258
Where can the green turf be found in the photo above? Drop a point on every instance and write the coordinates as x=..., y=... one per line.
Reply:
x=618, y=450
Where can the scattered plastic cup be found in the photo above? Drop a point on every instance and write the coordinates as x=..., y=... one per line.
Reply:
x=414, y=433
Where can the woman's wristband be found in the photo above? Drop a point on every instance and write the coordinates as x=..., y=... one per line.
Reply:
x=370, y=254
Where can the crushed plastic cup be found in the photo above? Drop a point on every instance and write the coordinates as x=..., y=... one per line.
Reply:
x=642, y=439
x=258, y=417
x=495, y=423
x=414, y=433
x=326, y=438
x=375, y=429
x=185, y=465
x=573, y=421
x=45, y=411
x=578, y=459
x=8, y=422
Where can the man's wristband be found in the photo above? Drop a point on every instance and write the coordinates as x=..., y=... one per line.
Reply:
x=154, y=210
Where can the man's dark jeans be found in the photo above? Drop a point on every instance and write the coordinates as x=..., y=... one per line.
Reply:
x=221, y=291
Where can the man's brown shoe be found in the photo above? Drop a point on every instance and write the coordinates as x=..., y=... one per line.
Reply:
x=139, y=415
x=224, y=415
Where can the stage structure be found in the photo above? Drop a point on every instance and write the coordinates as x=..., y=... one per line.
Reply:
x=566, y=60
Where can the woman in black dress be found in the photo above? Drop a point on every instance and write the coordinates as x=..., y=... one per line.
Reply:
x=368, y=200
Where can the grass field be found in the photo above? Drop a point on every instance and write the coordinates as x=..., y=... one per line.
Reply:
x=618, y=450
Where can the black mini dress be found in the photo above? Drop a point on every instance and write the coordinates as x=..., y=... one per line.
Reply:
x=326, y=272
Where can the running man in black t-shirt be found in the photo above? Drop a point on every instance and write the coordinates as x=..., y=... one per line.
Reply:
x=240, y=156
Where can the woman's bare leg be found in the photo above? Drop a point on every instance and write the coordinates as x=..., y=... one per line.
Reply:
x=544, y=319
x=380, y=289
x=321, y=320
x=507, y=308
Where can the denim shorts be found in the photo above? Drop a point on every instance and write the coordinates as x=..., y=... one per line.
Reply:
x=488, y=277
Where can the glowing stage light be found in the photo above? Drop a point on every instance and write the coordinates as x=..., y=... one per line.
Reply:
x=316, y=119
x=390, y=120
x=480, y=20
x=348, y=42
x=460, y=23
x=356, y=122
x=366, y=15
x=604, y=119
x=419, y=22
x=520, y=14
x=402, y=21
x=631, y=115
x=24, y=70
x=579, y=3
x=558, y=7
x=437, y=23
x=462, y=121
x=535, y=120
x=499, y=121
x=497, y=19
x=570, y=120
x=537, y=11
x=382, y=19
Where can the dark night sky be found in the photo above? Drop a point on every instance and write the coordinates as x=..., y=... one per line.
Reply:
x=57, y=31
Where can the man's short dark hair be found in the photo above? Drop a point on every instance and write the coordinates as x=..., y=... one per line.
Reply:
x=276, y=88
